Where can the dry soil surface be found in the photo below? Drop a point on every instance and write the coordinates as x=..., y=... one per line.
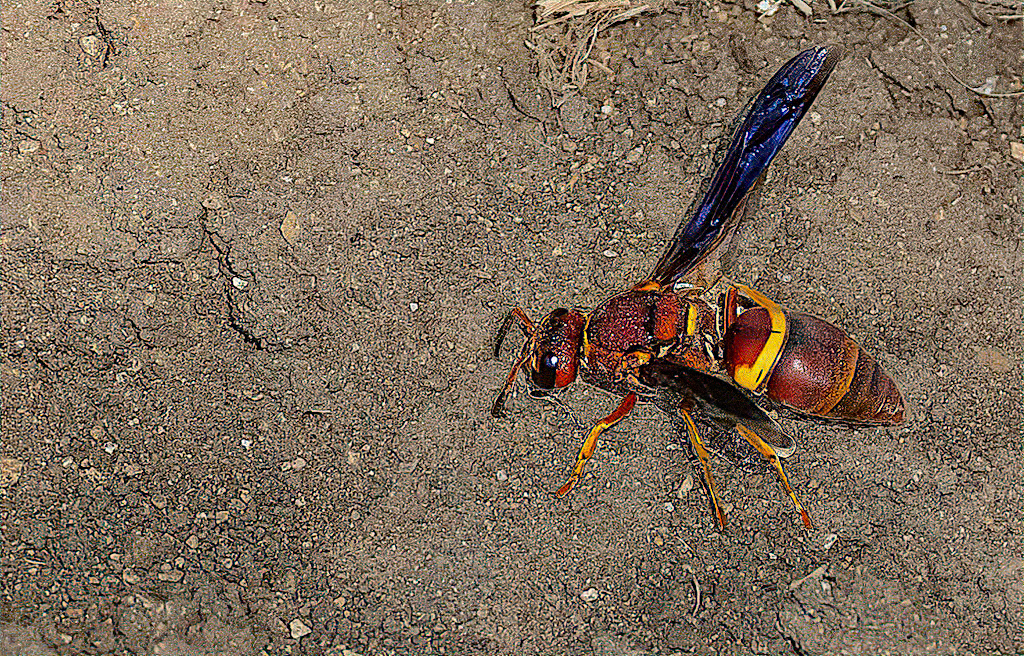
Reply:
x=254, y=257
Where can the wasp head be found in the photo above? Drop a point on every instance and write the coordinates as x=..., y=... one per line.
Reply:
x=551, y=354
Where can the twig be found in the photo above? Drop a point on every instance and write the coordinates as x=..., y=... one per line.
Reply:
x=973, y=169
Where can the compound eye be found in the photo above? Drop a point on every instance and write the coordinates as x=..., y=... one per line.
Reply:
x=547, y=368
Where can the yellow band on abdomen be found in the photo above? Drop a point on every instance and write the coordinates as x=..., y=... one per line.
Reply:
x=753, y=377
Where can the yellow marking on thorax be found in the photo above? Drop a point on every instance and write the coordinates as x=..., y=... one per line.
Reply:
x=647, y=286
x=691, y=320
x=753, y=377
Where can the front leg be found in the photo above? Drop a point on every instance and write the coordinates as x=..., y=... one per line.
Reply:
x=590, y=444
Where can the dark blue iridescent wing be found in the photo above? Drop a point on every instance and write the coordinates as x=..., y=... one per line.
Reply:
x=762, y=128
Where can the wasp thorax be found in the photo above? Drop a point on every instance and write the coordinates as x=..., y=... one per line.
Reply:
x=556, y=351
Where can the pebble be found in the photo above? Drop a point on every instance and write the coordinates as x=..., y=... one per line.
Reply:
x=91, y=45
x=590, y=594
x=10, y=471
x=290, y=226
x=299, y=628
x=502, y=476
x=995, y=359
x=298, y=463
x=212, y=202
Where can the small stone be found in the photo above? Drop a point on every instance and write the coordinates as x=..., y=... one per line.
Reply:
x=634, y=155
x=238, y=283
x=1017, y=151
x=414, y=306
x=172, y=576
x=299, y=629
x=149, y=299
x=129, y=577
x=685, y=487
x=298, y=463
x=804, y=8
x=222, y=516
x=502, y=476
x=290, y=226
x=610, y=253
x=28, y=146
x=213, y=202
x=92, y=46
x=590, y=594
x=192, y=542
x=159, y=501
x=10, y=471
x=995, y=359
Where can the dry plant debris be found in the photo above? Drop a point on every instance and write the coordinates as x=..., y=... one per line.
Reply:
x=567, y=41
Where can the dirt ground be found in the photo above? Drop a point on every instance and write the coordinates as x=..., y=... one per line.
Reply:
x=254, y=258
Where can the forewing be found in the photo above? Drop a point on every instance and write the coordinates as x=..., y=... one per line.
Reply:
x=759, y=133
x=677, y=387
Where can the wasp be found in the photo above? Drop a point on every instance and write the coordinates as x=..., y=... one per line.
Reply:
x=712, y=363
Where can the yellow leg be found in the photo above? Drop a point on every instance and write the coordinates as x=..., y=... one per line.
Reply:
x=769, y=454
x=708, y=481
x=590, y=444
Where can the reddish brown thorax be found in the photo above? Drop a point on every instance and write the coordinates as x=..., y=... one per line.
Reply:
x=646, y=319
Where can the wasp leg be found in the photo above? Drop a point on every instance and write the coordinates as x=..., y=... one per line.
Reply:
x=706, y=479
x=769, y=454
x=589, y=444
x=498, y=408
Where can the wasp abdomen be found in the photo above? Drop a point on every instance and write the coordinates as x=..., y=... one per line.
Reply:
x=818, y=369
